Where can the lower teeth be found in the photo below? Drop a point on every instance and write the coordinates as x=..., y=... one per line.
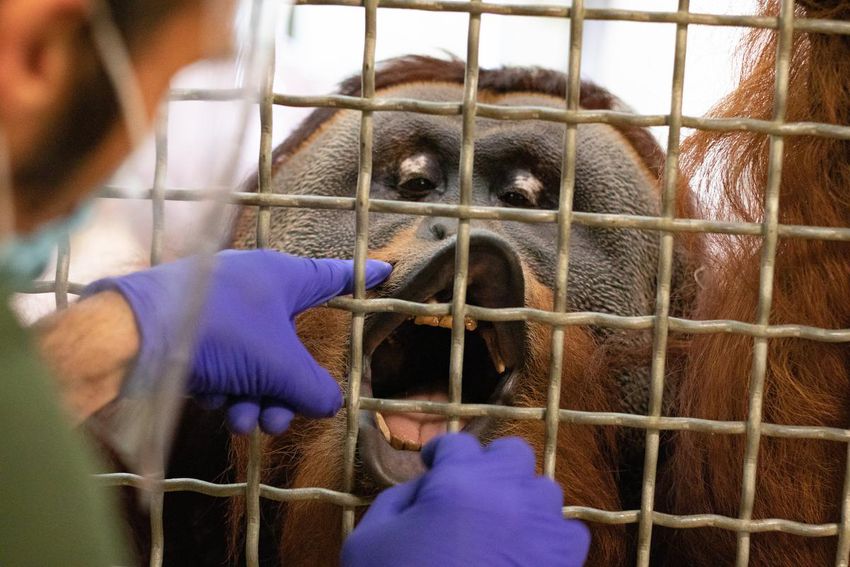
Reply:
x=382, y=426
x=399, y=444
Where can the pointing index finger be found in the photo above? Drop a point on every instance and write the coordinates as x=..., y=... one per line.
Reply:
x=329, y=278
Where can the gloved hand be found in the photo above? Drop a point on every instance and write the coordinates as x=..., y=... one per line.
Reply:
x=475, y=506
x=247, y=353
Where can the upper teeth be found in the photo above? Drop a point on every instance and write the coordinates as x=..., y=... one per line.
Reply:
x=445, y=321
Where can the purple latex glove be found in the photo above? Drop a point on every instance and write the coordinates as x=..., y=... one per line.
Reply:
x=247, y=353
x=475, y=506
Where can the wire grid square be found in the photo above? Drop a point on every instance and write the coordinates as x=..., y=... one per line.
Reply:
x=559, y=318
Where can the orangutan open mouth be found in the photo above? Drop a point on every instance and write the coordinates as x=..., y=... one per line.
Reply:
x=407, y=358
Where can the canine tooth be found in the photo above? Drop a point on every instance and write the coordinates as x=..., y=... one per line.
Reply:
x=500, y=366
x=382, y=426
x=489, y=336
x=470, y=323
x=446, y=321
x=431, y=300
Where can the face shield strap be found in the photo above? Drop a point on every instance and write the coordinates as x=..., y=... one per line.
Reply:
x=141, y=433
x=7, y=200
x=118, y=65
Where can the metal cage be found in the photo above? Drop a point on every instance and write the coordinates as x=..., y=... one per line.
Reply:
x=666, y=224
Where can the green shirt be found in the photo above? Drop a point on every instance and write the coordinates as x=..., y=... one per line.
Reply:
x=51, y=512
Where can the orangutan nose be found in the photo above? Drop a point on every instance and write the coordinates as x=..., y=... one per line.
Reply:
x=437, y=228
x=495, y=272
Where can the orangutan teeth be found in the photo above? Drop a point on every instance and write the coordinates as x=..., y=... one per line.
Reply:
x=489, y=336
x=446, y=322
x=395, y=442
x=382, y=426
x=404, y=444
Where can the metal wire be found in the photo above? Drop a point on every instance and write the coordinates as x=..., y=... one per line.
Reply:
x=264, y=179
x=158, y=190
x=252, y=500
x=662, y=298
x=157, y=509
x=842, y=555
x=602, y=14
x=467, y=152
x=596, y=220
x=63, y=265
x=559, y=317
x=157, y=500
x=361, y=249
x=565, y=217
x=264, y=187
x=766, y=266
x=531, y=112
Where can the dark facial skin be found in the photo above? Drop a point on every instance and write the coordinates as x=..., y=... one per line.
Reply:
x=516, y=164
x=416, y=158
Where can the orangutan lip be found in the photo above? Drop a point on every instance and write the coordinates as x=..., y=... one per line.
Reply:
x=388, y=465
x=407, y=358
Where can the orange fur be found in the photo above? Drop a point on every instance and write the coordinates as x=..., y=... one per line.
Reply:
x=806, y=382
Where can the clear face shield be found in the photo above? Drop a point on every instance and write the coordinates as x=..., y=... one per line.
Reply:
x=237, y=41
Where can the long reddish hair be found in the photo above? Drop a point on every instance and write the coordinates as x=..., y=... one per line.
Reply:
x=806, y=381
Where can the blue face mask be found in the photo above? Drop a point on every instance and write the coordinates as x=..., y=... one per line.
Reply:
x=24, y=258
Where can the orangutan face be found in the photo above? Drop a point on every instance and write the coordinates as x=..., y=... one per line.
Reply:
x=511, y=264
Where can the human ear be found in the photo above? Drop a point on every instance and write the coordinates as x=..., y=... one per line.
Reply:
x=39, y=42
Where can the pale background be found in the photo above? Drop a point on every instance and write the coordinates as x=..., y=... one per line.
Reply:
x=318, y=46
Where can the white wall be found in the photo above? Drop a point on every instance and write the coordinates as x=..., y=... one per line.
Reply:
x=633, y=60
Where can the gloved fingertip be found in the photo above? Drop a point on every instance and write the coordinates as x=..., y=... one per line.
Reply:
x=449, y=446
x=275, y=419
x=211, y=401
x=376, y=272
x=580, y=531
x=328, y=407
x=548, y=496
x=336, y=404
x=327, y=400
x=394, y=500
x=243, y=415
x=513, y=450
x=511, y=445
x=578, y=538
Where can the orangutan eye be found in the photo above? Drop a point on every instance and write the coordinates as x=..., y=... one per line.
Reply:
x=521, y=189
x=417, y=187
x=516, y=199
x=418, y=176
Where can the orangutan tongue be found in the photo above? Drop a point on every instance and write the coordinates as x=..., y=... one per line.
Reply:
x=418, y=427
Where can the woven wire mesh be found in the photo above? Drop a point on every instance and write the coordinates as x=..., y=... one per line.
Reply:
x=660, y=323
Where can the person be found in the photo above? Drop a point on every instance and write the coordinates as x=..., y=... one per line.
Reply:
x=61, y=132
